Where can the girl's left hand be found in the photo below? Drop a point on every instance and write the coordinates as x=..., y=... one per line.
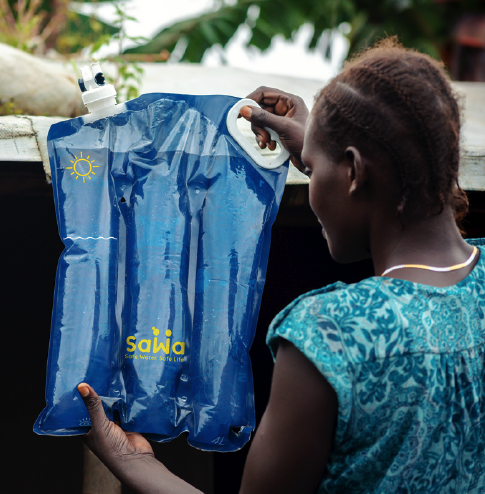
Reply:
x=128, y=455
x=107, y=440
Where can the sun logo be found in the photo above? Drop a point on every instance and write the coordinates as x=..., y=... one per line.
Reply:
x=82, y=167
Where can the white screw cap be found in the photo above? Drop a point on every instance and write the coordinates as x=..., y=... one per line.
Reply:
x=98, y=95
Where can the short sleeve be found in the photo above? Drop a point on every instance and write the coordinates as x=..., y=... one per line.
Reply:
x=306, y=324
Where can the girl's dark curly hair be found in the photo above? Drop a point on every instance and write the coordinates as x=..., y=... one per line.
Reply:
x=399, y=104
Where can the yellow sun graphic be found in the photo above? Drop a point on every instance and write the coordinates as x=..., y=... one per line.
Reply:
x=82, y=167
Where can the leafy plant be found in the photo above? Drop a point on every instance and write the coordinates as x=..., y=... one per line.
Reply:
x=421, y=24
x=37, y=25
x=127, y=75
x=8, y=107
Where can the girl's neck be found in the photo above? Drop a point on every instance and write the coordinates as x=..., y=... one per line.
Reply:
x=431, y=241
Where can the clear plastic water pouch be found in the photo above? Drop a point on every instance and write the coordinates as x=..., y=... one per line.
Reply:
x=166, y=223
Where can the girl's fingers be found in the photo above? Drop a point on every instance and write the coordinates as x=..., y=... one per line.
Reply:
x=262, y=136
x=94, y=406
x=259, y=119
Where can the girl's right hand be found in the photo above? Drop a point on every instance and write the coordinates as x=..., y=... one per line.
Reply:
x=282, y=112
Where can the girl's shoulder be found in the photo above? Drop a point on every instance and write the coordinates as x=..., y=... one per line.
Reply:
x=340, y=297
x=329, y=317
x=361, y=319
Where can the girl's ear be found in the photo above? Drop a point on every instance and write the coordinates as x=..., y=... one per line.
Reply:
x=357, y=170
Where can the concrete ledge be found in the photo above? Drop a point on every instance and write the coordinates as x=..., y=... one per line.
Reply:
x=23, y=138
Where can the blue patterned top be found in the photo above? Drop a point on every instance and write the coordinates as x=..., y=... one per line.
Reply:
x=407, y=362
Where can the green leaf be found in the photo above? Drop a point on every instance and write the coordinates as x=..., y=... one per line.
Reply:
x=130, y=18
x=78, y=33
x=103, y=40
x=201, y=32
x=132, y=93
x=137, y=39
x=209, y=33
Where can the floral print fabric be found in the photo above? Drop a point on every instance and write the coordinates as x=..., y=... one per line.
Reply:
x=407, y=362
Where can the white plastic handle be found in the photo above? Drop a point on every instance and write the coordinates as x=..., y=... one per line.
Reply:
x=268, y=162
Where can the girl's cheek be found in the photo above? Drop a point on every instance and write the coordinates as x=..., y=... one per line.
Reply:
x=315, y=205
x=314, y=194
x=311, y=195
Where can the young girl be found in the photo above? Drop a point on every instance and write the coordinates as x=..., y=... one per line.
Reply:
x=378, y=387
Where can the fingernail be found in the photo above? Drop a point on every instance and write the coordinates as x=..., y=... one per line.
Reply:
x=246, y=111
x=83, y=390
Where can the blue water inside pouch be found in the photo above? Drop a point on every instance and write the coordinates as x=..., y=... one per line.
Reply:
x=166, y=223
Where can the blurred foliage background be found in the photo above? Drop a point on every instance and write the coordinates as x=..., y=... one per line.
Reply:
x=54, y=27
x=426, y=25
x=38, y=26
